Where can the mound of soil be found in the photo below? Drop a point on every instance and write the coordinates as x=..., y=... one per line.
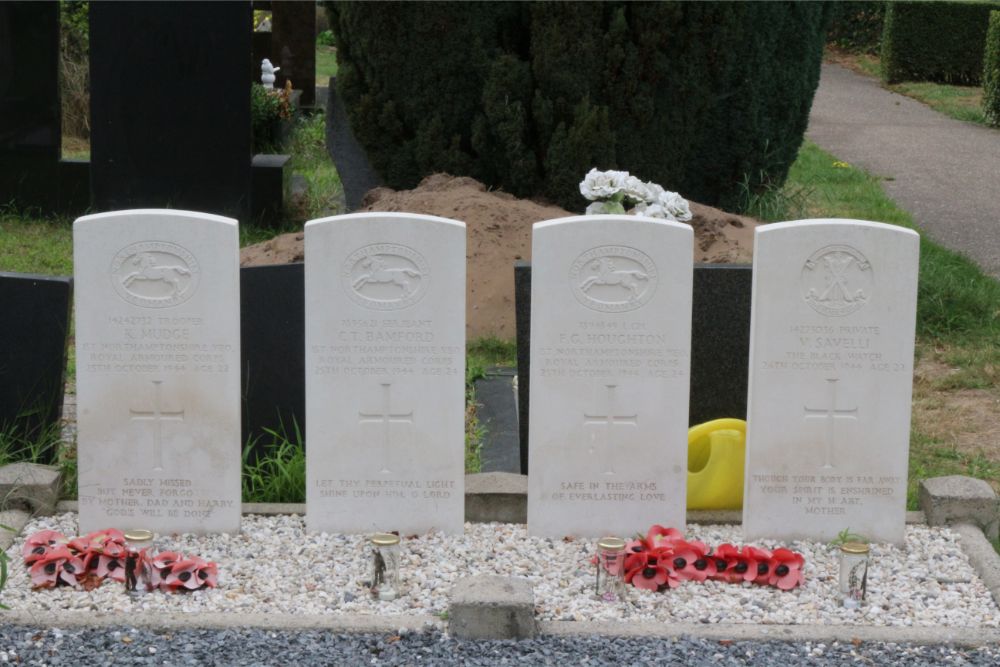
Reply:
x=499, y=232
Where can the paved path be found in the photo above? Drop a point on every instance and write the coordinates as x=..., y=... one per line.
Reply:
x=946, y=172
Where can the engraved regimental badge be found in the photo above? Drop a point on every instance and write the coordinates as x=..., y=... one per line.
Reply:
x=836, y=280
x=385, y=276
x=613, y=279
x=155, y=274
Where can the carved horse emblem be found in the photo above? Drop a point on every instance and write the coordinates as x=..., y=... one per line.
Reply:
x=607, y=275
x=149, y=270
x=376, y=272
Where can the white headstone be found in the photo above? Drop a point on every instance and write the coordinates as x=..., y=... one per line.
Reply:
x=158, y=371
x=610, y=360
x=385, y=373
x=831, y=376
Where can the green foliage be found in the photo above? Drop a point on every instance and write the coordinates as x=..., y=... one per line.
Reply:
x=699, y=97
x=856, y=26
x=268, y=107
x=845, y=536
x=325, y=38
x=74, y=68
x=279, y=475
x=4, y=560
x=991, y=72
x=935, y=41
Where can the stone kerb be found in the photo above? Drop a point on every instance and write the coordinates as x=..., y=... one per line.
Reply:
x=30, y=486
x=492, y=607
x=959, y=499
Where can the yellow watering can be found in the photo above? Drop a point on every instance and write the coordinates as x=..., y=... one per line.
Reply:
x=716, y=456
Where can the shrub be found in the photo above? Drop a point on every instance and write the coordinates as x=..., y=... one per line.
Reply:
x=698, y=97
x=74, y=68
x=856, y=26
x=268, y=107
x=991, y=72
x=935, y=41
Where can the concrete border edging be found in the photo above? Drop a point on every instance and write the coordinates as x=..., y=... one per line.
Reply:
x=982, y=556
x=922, y=635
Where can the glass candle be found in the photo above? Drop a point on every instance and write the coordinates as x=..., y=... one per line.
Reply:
x=385, y=566
x=138, y=578
x=854, y=557
x=610, y=583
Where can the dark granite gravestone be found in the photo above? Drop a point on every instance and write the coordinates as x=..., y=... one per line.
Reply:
x=35, y=311
x=30, y=117
x=497, y=415
x=522, y=325
x=356, y=173
x=170, y=106
x=720, y=343
x=293, y=46
x=272, y=351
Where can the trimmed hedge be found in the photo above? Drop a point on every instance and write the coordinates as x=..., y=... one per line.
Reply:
x=856, y=26
x=704, y=98
x=935, y=41
x=991, y=72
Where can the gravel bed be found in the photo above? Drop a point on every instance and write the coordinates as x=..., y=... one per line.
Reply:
x=125, y=646
x=273, y=566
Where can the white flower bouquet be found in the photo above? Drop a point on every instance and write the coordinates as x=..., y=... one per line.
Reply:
x=620, y=192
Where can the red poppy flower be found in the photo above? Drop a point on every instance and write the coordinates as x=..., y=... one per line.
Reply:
x=691, y=562
x=786, y=569
x=57, y=565
x=112, y=567
x=759, y=561
x=651, y=571
x=727, y=557
x=191, y=574
x=39, y=544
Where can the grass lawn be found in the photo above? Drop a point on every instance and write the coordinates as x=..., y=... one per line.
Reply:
x=959, y=102
x=326, y=64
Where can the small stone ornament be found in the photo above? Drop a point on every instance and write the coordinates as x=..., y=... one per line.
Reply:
x=385, y=566
x=267, y=71
x=610, y=582
x=854, y=559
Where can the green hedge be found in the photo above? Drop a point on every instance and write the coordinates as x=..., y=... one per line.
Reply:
x=699, y=97
x=935, y=41
x=856, y=26
x=991, y=72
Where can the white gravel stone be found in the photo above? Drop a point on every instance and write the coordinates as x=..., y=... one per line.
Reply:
x=275, y=567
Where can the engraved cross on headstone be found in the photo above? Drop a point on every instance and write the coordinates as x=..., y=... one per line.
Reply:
x=609, y=420
x=386, y=417
x=157, y=415
x=830, y=414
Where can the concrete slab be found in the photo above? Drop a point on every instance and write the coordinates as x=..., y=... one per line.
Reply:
x=30, y=486
x=491, y=607
x=957, y=499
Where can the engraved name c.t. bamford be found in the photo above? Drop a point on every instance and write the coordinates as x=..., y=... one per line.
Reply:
x=154, y=274
x=385, y=276
x=837, y=280
x=613, y=279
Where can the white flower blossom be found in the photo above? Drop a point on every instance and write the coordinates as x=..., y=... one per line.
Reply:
x=635, y=190
x=653, y=190
x=676, y=207
x=598, y=185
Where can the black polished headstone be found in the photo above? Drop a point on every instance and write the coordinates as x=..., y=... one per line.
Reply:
x=272, y=351
x=170, y=106
x=497, y=415
x=293, y=46
x=357, y=176
x=522, y=325
x=30, y=117
x=720, y=343
x=35, y=312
